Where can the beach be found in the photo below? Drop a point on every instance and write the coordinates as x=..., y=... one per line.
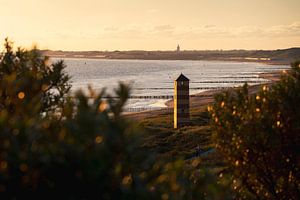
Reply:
x=200, y=100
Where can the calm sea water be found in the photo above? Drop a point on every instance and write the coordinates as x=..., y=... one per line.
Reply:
x=155, y=77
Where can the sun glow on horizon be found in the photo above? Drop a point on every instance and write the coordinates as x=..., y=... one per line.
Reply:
x=151, y=25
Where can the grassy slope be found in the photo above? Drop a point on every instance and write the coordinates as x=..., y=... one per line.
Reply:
x=168, y=143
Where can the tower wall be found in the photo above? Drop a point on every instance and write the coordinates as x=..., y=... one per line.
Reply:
x=181, y=103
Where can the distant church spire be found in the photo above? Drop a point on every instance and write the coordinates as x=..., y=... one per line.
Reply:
x=178, y=48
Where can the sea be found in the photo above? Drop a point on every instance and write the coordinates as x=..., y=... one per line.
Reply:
x=154, y=78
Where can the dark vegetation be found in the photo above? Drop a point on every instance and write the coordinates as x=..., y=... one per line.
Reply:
x=53, y=145
x=185, y=143
x=259, y=138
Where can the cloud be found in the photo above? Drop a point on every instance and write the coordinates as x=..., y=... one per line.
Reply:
x=210, y=26
x=170, y=32
x=166, y=27
x=211, y=31
x=111, y=28
x=290, y=30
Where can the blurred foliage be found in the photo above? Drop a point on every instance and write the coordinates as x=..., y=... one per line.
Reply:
x=54, y=145
x=31, y=81
x=259, y=138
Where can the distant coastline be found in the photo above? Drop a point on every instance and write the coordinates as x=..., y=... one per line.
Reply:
x=275, y=57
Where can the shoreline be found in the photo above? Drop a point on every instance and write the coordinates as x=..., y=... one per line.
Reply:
x=267, y=62
x=272, y=57
x=197, y=101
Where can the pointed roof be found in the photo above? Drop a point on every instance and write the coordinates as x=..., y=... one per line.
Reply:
x=182, y=78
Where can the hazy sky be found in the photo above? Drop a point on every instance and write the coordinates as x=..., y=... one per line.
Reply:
x=151, y=24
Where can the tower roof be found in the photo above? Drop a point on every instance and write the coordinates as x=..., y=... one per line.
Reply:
x=182, y=78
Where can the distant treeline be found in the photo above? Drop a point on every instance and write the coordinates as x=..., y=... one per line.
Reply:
x=283, y=56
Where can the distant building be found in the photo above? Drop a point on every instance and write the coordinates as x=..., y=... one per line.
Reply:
x=181, y=101
x=178, y=48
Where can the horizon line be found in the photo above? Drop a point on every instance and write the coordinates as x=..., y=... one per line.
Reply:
x=173, y=50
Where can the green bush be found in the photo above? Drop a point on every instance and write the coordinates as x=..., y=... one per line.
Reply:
x=259, y=138
x=28, y=80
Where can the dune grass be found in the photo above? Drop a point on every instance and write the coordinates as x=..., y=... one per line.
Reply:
x=168, y=143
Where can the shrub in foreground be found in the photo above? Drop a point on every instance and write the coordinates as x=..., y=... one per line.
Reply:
x=259, y=138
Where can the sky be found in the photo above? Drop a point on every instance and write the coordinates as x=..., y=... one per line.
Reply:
x=151, y=24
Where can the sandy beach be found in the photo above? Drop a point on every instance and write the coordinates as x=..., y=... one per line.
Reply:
x=199, y=100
